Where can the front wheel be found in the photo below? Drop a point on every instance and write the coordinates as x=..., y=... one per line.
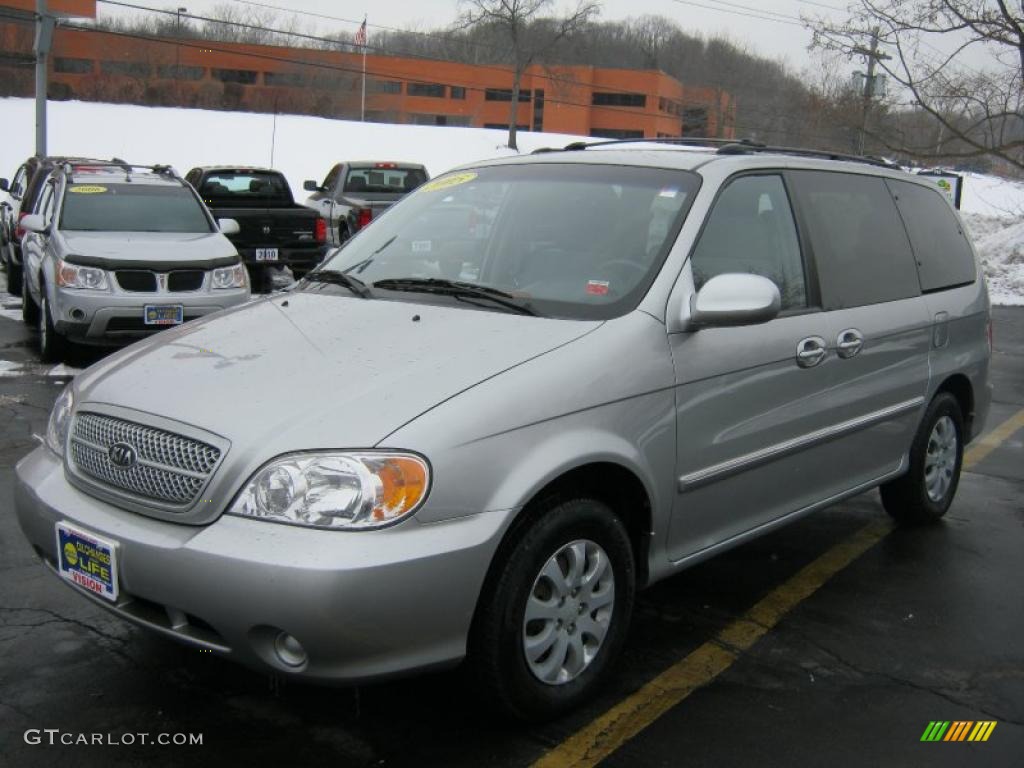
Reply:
x=52, y=346
x=29, y=308
x=925, y=493
x=14, y=279
x=556, y=614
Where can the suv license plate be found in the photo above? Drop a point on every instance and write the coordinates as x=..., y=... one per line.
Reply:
x=87, y=561
x=163, y=314
x=266, y=254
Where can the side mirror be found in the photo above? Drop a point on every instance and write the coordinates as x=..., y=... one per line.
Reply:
x=735, y=299
x=33, y=223
x=228, y=227
x=5, y=185
x=310, y=186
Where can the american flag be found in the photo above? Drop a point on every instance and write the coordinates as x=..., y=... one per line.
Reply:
x=360, y=36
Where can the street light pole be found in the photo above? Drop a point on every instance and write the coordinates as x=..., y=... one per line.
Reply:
x=177, y=47
x=44, y=38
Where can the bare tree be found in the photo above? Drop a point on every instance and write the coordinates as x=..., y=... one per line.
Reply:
x=978, y=111
x=527, y=35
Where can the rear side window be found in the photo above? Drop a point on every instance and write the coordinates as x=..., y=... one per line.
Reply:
x=944, y=258
x=861, y=249
x=751, y=230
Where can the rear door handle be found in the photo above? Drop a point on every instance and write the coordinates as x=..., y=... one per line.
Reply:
x=811, y=351
x=849, y=343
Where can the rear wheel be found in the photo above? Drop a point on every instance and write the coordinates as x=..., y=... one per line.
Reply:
x=52, y=346
x=925, y=493
x=556, y=614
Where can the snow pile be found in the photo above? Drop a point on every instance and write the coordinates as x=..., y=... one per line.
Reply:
x=1000, y=244
x=992, y=196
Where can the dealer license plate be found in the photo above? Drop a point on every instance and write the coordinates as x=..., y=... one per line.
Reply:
x=266, y=254
x=87, y=561
x=163, y=314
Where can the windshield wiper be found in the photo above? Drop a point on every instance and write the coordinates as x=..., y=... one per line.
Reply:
x=334, y=277
x=457, y=289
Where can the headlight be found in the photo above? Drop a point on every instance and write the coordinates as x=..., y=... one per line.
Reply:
x=74, y=276
x=347, y=491
x=60, y=420
x=229, y=277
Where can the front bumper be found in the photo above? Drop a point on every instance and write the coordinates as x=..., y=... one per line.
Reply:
x=100, y=317
x=363, y=605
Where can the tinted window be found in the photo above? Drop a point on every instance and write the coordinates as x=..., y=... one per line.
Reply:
x=581, y=241
x=944, y=258
x=751, y=230
x=860, y=246
x=245, y=188
x=132, y=208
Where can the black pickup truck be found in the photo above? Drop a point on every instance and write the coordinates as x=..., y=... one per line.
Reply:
x=275, y=230
x=354, y=193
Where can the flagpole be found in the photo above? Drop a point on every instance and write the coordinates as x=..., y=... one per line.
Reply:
x=362, y=110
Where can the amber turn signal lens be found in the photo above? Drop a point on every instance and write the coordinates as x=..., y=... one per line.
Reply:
x=403, y=484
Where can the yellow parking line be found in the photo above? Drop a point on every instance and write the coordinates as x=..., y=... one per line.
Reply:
x=604, y=735
x=983, y=446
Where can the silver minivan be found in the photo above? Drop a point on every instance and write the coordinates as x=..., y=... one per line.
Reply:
x=533, y=387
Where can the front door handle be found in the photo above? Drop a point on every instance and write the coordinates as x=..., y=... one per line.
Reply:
x=849, y=343
x=811, y=351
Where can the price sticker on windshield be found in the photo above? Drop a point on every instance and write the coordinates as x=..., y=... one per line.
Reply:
x=87, y=189
x=446, y=182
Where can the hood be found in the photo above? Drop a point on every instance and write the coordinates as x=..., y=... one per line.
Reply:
x=304, y=370
x=157, y=247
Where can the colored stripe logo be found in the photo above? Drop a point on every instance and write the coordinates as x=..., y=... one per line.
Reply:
x=958, y=730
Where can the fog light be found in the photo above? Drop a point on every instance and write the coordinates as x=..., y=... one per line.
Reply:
x=289, y=650
x=77, y=314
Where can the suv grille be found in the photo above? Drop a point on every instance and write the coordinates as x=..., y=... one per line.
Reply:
x=136, y=280
x=170, y=468
x=185, y=280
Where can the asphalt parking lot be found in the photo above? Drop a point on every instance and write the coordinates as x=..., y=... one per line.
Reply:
x=835, y=641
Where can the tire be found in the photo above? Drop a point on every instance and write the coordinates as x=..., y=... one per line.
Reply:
x=52, y=346
x=927, y=490
x=29, y=308
x=498, y=641
x=14, y=279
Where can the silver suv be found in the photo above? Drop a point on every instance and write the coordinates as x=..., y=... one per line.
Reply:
x=534, y=387
x=114, y=252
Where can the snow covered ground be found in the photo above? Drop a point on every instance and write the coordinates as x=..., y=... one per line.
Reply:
x=306, y=147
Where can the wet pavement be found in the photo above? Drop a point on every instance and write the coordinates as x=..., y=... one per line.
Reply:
x=925, y=626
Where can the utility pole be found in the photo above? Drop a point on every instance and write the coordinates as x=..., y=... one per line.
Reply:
x=44, y=38
x=873, y=56
x=177, y=47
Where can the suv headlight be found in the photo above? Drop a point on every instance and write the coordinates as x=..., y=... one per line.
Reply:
x=338, y=490
x=60, y=421
x=229, y=277
x=75, y=276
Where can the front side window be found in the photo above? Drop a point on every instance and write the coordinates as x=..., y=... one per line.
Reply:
x=578, y=241
x=751, y=230
x=106, y=207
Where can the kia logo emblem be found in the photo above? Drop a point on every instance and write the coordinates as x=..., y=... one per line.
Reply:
x=266, y=229
x=122, y=455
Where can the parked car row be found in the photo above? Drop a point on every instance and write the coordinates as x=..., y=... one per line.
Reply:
x=105, y=252
x=536, y=386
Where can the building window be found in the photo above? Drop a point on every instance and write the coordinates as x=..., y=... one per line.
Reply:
x=384, y=86
x=433, y=90
x=618, y=100
x=172, y=72
x=670, y=106
x=126, y=68
x=538, y=110
x=72, y=66
x=616, y=133
x=504, y=126
x=695, y=121
x=241, y=76
x=458, y=92
x=505, y=94
x=286, y=79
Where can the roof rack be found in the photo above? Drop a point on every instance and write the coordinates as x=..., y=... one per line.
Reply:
x=725, y=147
x=116, y=162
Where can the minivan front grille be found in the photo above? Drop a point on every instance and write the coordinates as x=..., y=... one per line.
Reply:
x=169, y=468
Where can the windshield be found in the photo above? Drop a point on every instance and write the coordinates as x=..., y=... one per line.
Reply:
x=579, y=241
x=384, y=180
x=132, y=208
x=242, y=188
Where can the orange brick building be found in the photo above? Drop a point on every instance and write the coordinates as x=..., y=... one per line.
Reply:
x=582, y=100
